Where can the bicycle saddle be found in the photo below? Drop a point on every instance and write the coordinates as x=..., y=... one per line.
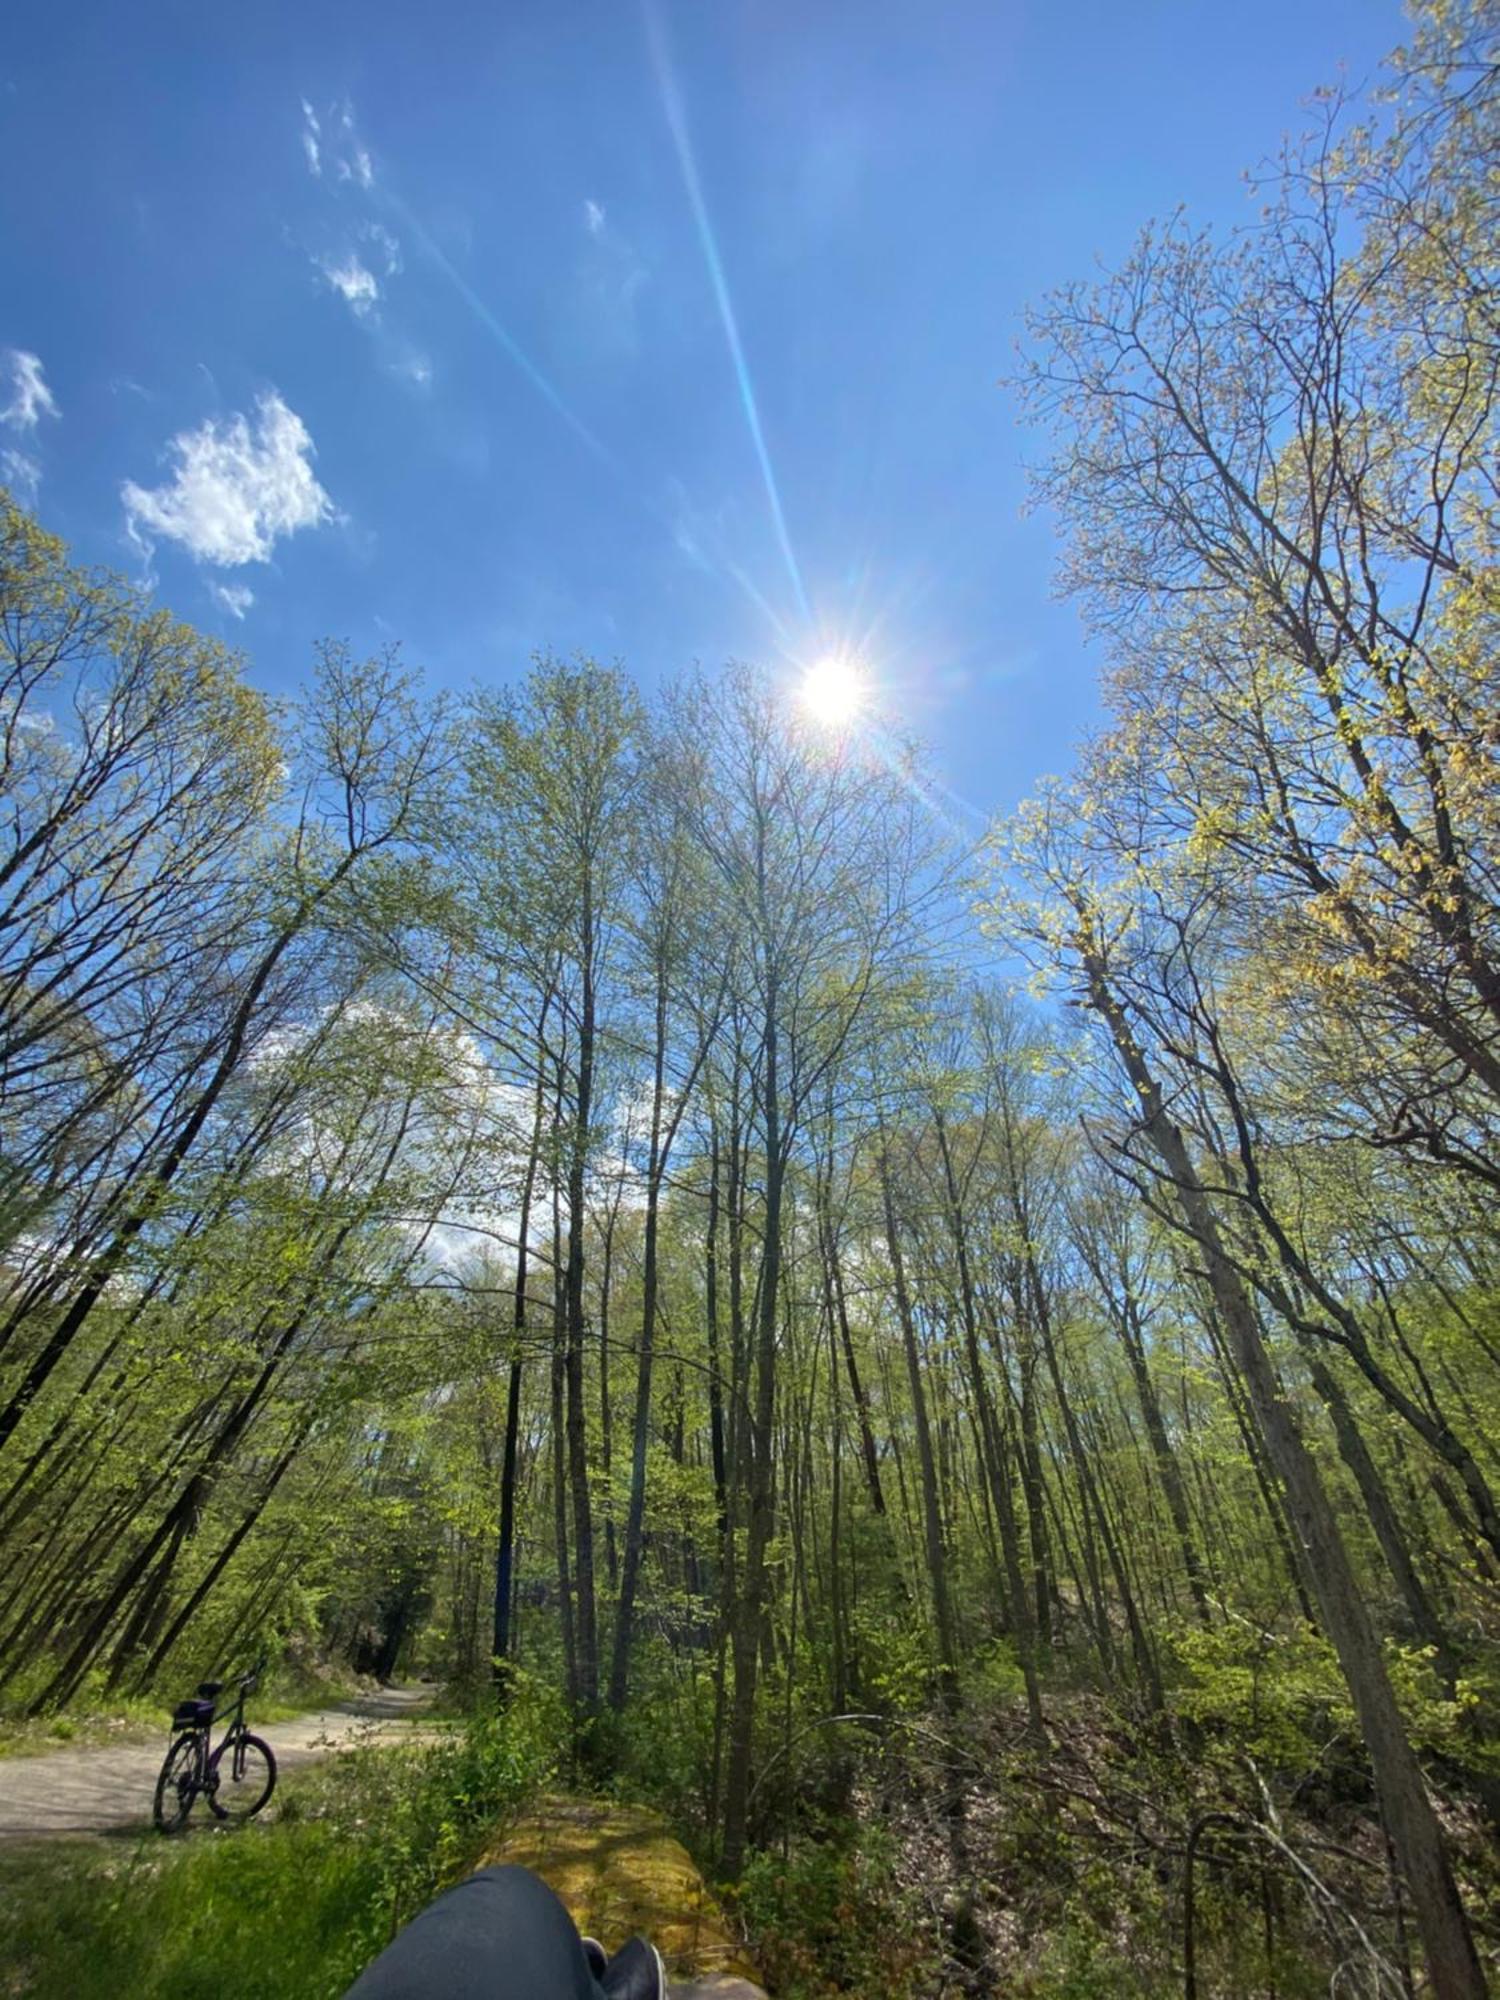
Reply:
x=208, y=1689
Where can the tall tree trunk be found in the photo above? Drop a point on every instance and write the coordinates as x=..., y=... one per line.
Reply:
x=760, y=1468
x=500, y=1614
x=1453, y=1963
x=1092, y=1502
x=566, y=1620
x=994, y=1458
x=838, y=1667
x=199, y=1595
x=1127, y=1319
x=181, y=1518
x=635, y=1519
x=932, y=1519
x=715, y=1362
x=1043, y=1587
x=606, y=1400
x=586, y=1610
x=1355, y=1453
x=833, y=1271
x=97, y=1277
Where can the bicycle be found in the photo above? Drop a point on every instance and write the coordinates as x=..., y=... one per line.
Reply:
x=235, y=1790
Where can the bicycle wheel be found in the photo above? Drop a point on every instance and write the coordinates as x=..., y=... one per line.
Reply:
x=241, y=1777
x=177, y=1786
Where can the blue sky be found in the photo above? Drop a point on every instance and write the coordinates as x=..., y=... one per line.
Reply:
x=667, y=332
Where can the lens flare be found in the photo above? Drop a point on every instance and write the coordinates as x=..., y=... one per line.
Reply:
x=833, y=692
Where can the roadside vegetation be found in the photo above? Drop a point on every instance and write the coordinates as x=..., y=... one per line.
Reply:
x=294, y=1904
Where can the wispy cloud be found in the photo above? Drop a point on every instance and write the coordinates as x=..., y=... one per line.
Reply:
x=312, y=140
x=22, y=474
x=334, y=138
x=347, y=271
x=28, y=399
x=611, y=279
x=238, y=486
x=383, y=246
x=235, y=598
x=364, y=255
x=355, y=284
x=354, y=162
x=413, y=366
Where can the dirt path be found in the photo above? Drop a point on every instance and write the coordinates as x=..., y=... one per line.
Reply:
x=102, y=1789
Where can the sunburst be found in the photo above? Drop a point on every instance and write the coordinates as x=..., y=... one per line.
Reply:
x=834, y=691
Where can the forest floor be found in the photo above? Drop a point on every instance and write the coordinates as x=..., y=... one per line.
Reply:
x=109, y=1788
x=620, y=1872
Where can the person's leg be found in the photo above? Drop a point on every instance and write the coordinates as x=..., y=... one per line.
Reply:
x=502, y=1935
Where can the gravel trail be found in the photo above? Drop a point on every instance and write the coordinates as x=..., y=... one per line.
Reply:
x=108, y=1787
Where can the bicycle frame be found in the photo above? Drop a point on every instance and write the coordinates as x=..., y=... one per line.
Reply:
x=235, y=1733
x=204, y=1752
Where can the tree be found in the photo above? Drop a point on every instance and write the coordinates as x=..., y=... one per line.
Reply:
x=818, y=857
x=1086, y=933
x=677, y=957
x=370, y=761
x=135, y=767
x=1274, y=461
x=560, y=767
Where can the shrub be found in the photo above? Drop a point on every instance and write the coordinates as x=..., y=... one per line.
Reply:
x=831, y=1918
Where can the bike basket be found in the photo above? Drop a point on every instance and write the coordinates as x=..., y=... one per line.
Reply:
x=192, y=1714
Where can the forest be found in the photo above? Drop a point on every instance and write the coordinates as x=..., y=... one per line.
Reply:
x=965, y=1372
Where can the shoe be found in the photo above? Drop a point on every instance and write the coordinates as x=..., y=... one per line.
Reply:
x=594, y=1952
x=636, y=1973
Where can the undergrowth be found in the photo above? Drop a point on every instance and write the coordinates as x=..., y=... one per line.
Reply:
x=288, y=1908
x=935, y=1857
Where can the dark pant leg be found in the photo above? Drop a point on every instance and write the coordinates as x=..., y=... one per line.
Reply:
x=502, y=1935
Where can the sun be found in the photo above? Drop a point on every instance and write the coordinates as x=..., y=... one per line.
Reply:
x=833, y=691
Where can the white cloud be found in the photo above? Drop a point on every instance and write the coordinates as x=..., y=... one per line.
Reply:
x=30, y=398
x=351, y=277
x=22, y=474
x=235, y=598
x=355, y=163
x=311, y=136
x=354, y=284
x=335, y=137
x=237, y=487
x=386, y=248
x=593, y=217
x=414, y=367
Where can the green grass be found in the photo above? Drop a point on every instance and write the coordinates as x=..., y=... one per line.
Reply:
x=288, y=1908
x=136, y=1718
x=122, y=1722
